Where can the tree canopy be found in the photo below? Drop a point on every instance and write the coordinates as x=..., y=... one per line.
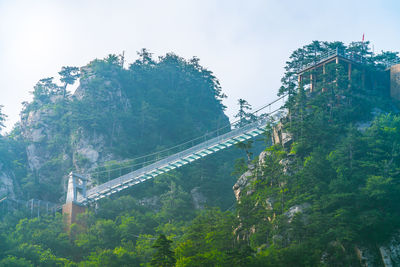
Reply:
x=332, y=190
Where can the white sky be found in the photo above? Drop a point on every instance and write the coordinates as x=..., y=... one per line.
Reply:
x=245, y=43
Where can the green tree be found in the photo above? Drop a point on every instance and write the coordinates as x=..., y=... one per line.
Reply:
x=2, y=118
x=68, y=76
x=119, y=257
x=163, y=256
x=103, y=234
x=246, y=147
x=12, y=261
x=244, y=114
x=207, y=240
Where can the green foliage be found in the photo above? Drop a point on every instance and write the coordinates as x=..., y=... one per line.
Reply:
x=163, y=256
x=12, y=261
x=334, y=187
x=207, y=240
x=69, y=75
x=2, y=117
x=244, y=114
x=103, y=234
x=153, y=105
x=46, y=232
x=113, y=258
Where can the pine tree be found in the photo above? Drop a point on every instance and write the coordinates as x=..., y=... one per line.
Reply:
x=68, y=76
x=244, y=115
x=163, y=256
x=2, y=118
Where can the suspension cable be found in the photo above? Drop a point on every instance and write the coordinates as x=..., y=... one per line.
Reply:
x=181, y=144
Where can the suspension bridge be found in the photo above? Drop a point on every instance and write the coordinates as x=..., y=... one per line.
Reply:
x=79, y=195
x=77, y=184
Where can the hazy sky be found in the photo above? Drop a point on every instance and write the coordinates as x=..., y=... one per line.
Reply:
x=245, y=43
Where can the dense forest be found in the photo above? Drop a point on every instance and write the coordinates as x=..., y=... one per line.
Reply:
x=329, y=197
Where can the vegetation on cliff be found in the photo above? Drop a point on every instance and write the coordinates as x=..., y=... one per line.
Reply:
x=118, y=113
x=332, y=190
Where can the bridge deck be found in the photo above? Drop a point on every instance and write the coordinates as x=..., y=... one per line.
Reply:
x=175, y=161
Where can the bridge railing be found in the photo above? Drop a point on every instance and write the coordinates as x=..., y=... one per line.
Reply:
x=347, y=55
x=159, y=164
x=113, y=170
x=116, y=169
x=333, y=53
x=34, y=207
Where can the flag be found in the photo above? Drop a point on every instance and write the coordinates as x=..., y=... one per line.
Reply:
x=363, y=38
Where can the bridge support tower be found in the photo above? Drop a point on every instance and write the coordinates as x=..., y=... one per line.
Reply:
x=72, y=208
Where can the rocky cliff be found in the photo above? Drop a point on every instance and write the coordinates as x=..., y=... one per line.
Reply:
x=6, y=184
x=385, y=253
x=114, y=114
x=55, y=145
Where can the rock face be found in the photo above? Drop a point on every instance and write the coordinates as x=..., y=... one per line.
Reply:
x=296, y=209
x=386, y=254
x=280, y=136
x=390, y=252
x=242, y=183
x=114, y=96
x=6, y=184
x=88, y=150
x=36, y=131
x=365, y=256
x=151, y=202
x=54, y=146
x=246, y=178
x=47, y=155
x=199, y=200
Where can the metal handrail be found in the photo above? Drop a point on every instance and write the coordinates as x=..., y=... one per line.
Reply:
x=137, y=174
x=159, y=155
x=331, y=54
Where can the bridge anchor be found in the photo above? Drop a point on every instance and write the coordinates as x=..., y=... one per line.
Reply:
x=72, y=208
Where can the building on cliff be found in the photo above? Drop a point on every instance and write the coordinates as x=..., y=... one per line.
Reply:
x=313, y=78
x=387, y=80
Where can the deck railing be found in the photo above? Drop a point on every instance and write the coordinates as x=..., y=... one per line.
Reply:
x=181, y=158
x=331, y=54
